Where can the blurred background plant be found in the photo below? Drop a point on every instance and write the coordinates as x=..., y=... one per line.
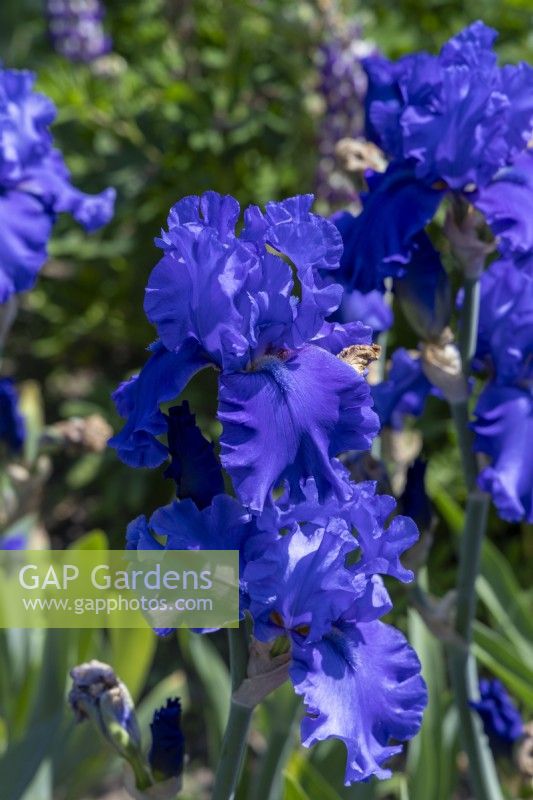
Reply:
x=229, y=95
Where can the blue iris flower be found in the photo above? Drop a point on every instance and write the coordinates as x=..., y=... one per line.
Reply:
x=229, y=301
x=453, y=122
x=35, y=184
x=311, y=572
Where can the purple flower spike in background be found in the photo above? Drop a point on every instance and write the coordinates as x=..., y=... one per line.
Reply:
x=228, y=301
x=76, y=29
x=34, y=184
x=342, y=88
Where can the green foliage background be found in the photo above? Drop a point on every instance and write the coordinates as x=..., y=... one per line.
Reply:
x=214, y=94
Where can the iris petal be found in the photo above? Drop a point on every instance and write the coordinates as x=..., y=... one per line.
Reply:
x=361, y=684
x=288, y=418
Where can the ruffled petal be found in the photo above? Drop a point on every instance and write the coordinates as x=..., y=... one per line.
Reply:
x=27, y=115
x=360, y=514
x=34, y=184
x=456, y=117
x=361, y=684
x=224, y=525
x=383, y=102
x=312, y=244
x=139, y=537
x=301, y=582
x=504, y=431
x=288, y=418
x=50, y=181
x=334, y=337
x=506, y=203
x=505, y=332
x=192, y=293
x=381, y=545
x=212, y=210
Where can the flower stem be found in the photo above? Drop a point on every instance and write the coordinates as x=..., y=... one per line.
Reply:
x=235, y=736
x=8, y=312
x=465, y=439
x=481, y=765
x=469, y=322
x=238, y=640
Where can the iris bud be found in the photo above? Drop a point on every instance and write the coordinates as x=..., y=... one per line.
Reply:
x=99, y=695
x=167, y=750
x=424, y=292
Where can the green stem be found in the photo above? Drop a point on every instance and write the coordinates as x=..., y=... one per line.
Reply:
x=232, y=752
x=238, y=640
x=469, y=560
x=143, y=779
x=235, y=737
x=469, y=322
x=481, y=765
x=468, y=331
x=8, y=312
x=465, y=439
